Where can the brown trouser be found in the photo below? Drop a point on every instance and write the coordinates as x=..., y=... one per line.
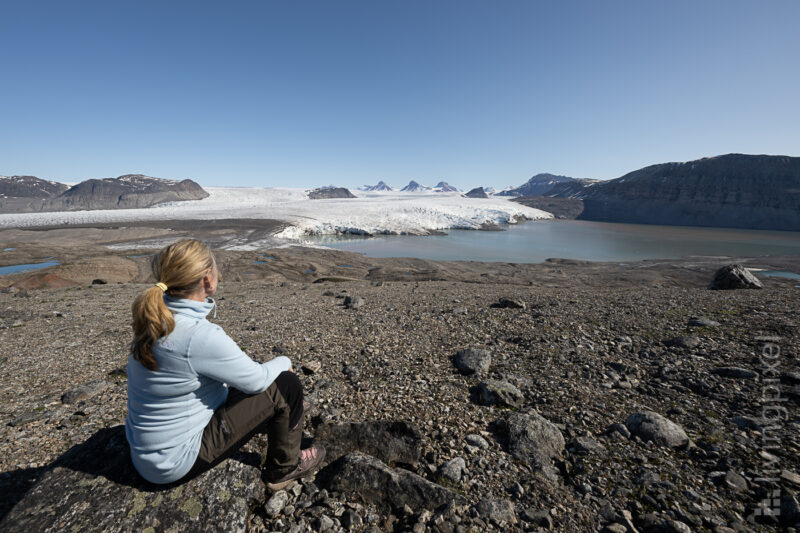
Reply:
x=278, y=412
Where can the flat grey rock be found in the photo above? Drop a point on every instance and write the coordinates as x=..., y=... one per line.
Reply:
x=650, y=426
x=84, y=392
x=734, y=372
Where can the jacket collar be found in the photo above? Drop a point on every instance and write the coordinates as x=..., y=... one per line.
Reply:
x=191, y=308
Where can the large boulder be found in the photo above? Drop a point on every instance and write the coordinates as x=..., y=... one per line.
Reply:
x=535, y=440
x=94, y=487
x=734, y=276
x=650, y=426
x=390, y=441
x=390, y=489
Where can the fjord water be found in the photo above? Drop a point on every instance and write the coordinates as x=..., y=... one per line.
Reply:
x=533, y=242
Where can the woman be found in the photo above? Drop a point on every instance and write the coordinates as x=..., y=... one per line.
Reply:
x=194, y=397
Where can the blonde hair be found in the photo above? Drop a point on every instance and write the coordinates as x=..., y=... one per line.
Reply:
x=180, y=266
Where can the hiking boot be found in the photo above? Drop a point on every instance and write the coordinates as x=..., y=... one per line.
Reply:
x=310, y=459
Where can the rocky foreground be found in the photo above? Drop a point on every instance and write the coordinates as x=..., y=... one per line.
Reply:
x=444, y=405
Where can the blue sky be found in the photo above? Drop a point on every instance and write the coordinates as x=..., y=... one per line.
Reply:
x=303, y=94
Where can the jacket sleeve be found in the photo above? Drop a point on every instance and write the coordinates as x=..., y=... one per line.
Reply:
x=212, y=353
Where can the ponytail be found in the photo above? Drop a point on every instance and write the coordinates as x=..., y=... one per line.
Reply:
x=178, y=269
x=151, y=321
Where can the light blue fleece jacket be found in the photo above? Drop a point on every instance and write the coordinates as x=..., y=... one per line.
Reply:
x=168, y=408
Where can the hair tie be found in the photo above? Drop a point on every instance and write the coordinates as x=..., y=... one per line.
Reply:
x=161, y=286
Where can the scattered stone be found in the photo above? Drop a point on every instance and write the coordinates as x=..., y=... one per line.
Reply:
x=619, y=429
x=791, y=477
x=460, y=311
x=99, y=281
x=703, y=322
x=351, y=520
x=509, y=303
x=476, y=440
x=747, y=422
x=473, y=361
x=276, y=503
x=616, y=527
x=734, y=372
x=503, y=393
x=733, y=277
x=538, y=518
x=735, y=481
x=650, y=426
x=27, y=418
x=517, y=490
x=353, y=302
x=84, y=392
x=687, y=342
x=311, y=367
x=453, y=469
x=500, y=512
x=585, y=445
x=386, y=487
x=324, y=523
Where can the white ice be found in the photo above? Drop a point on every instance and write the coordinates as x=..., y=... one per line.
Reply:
x=371, y=213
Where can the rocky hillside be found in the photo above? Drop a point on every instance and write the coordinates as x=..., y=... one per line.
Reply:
x=537, y=185
x=29, y=187
x=734, y=190
x=128, y=191
x=444, y=406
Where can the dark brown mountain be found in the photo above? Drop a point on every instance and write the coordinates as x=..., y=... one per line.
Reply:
x=29, y=187
x=128, y=191
x=537, y=185
x=733, y=190
x=477, y=192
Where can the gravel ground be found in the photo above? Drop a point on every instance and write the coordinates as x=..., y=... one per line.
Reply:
x=584, y=357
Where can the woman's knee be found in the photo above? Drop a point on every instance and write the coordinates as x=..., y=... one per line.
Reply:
x=290, y=387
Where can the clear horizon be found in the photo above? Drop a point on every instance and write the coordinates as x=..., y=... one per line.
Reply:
x=263, y=94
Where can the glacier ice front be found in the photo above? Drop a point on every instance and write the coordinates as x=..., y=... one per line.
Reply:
x=371, y=214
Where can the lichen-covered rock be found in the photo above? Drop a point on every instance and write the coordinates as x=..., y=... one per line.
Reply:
x=503, y=393
x=94, y=487
x=535, y=440
x=734, y=276
x=390, y=441
x=389, y=489
x=650, y=426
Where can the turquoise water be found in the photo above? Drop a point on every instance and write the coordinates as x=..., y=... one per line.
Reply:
x=780, y=274
x=13, y=269
x=533, y=242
